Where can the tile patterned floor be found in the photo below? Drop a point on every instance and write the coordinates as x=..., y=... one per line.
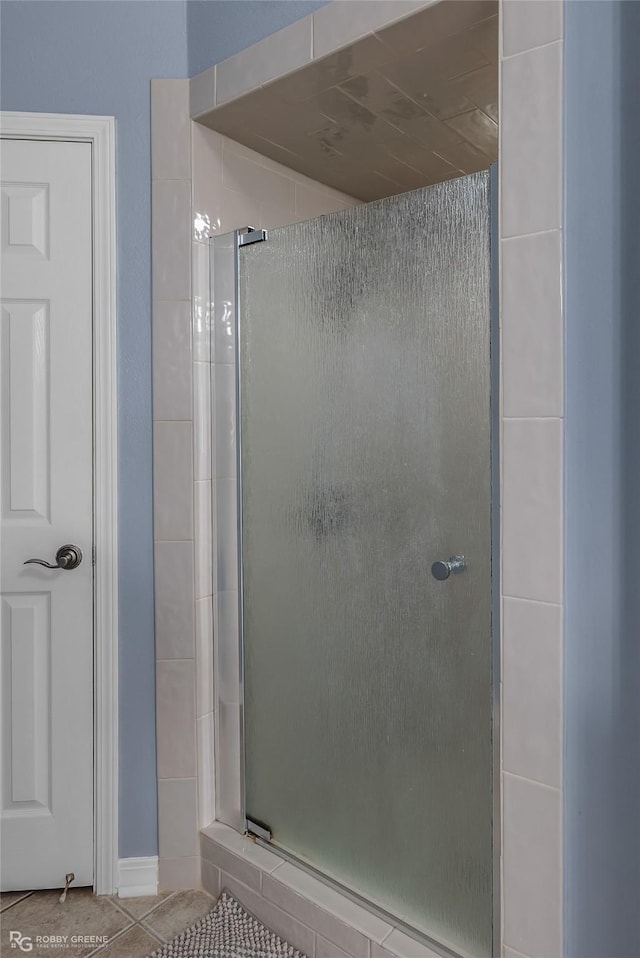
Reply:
x=134, y=927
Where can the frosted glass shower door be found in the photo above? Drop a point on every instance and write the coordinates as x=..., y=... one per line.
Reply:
x=365, y=437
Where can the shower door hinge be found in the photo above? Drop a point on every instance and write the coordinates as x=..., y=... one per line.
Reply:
x=259, y=829
x=251, y=235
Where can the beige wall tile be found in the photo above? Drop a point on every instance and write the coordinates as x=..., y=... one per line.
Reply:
x=170, y=145
x=171, y=360
x=274, y=215
x=279, y=187
x=437, y=22
x=532, y=326
x=174, y=590
x=176, y=874
x=531, y=141
x=210, y=877
x=232, y=148
x=173, y=480
x=201, y=306
x=532, y=690
x=532, y=509
x=327, y=949
x=241, y=172
x=530, y=23
x=176, y=719
x=532, y=868
x=224, y=330
x=207, y=172
x=400, y=945
x=202, y=92
x=171, y=238
x=239, y=867
x=510, y=953
x=279, y=921
x=276, y=55
x=255, y=190
x=316, y=202
x=301, y=883
x=239, y=210
x=253, y=179
x=306, y=911
x=176, y=818
x=338, y=24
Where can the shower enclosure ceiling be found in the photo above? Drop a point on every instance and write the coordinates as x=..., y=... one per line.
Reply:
x=413, y=104
x=365, y=554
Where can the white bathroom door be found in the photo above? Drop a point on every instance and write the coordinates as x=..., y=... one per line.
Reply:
x=46, y=503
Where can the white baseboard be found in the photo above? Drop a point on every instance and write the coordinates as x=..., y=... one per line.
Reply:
x=137, y=877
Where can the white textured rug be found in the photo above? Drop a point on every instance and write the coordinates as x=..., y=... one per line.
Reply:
x=228, y=931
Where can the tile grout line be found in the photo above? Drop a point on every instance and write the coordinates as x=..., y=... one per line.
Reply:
x=538, y=46
x=26, y=894
x=532, y=781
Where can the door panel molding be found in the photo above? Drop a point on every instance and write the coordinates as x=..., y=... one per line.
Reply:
x=99, y=131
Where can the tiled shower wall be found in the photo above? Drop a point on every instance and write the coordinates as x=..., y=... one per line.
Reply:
x=174, y=485
x=531, y=317
x=196, y=171
x=531, y=348
x=233, y=187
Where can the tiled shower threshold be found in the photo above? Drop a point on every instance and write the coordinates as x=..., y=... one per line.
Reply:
x=311, y=915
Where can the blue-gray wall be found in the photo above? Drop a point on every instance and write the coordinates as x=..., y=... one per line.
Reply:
x=217, y=29
x=98, y=57
x=602, y=480
x=629, y=671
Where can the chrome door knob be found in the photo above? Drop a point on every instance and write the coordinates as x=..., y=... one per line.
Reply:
x=441, y=570
x=67, y=557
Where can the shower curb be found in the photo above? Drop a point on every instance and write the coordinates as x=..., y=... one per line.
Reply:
x=312, y=916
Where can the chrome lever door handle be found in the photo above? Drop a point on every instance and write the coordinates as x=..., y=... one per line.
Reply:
x=441, y=570
x=67, y=557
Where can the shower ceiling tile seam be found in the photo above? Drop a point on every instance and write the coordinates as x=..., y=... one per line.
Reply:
x=409, y=141
x=407, y=96
x=427, y=153
x=383, y=116
x=378, y=71
x=384, y=119
x=439, y=66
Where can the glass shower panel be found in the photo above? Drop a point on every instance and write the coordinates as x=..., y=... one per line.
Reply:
x=365, y=438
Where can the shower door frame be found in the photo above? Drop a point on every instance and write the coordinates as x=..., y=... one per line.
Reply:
x=229, y=776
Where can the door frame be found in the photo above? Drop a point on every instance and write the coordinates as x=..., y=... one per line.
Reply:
x=99, y=131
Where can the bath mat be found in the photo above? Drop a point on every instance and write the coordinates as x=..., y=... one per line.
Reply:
x=228, y=931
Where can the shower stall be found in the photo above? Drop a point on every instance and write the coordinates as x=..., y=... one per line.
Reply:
x=355, y=663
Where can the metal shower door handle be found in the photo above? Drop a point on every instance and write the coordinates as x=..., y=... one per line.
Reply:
x=67, y=557
x=442, y=569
